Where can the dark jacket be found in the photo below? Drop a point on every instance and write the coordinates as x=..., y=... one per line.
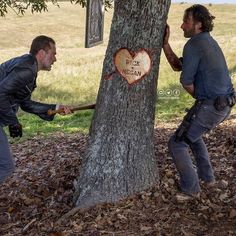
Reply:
x=17, y=82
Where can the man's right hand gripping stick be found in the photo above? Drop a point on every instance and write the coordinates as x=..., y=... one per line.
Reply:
x=90, y=106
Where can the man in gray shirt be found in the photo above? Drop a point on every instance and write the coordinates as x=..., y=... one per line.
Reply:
x=205, y=77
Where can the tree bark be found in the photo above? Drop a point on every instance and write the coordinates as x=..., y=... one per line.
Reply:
x=120, y=159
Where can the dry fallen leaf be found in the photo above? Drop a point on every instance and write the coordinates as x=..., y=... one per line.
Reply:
x=56, y=234
x=232, y=213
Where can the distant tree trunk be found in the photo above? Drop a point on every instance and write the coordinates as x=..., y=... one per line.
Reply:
x=120, y=159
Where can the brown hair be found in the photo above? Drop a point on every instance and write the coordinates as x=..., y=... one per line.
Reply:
x=41, y=42
x=201, y=14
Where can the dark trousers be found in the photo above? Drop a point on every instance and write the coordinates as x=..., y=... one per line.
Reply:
x=206, y=118
x=7, y=165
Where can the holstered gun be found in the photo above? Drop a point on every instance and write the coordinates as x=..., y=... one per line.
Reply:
x=232, y=100
x=221, y=102
x=184, y=126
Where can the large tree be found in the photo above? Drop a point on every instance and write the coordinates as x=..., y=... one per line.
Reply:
x=120, y=158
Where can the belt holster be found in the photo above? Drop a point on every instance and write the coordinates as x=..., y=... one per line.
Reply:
x=232, y=100
x=184, y=126
x=221, y=102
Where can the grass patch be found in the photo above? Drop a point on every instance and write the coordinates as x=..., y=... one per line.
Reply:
x=34, y=126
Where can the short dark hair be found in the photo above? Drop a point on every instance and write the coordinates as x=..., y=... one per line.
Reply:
x=201, y=14
x=41, y=42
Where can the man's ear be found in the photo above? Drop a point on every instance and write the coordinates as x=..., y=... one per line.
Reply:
x=199, y=25
x=41, y=53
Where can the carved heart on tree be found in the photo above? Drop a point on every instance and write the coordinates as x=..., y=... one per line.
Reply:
x=132, y=66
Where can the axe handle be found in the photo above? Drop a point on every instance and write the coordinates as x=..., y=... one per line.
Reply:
x=53, y=112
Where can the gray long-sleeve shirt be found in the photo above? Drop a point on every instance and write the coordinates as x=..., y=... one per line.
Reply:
x=205, y=67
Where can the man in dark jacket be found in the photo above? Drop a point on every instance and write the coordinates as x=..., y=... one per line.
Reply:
x=17, y=82
x=204, y=76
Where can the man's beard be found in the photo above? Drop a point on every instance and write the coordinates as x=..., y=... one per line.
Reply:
x=47, y=67
x=189, y=34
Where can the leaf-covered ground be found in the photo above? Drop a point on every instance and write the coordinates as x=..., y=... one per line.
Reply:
x=35, y=200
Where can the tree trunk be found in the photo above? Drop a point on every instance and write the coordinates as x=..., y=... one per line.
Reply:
x=120, y=159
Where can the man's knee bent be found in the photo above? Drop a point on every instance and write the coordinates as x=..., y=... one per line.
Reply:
x=177, y=149
x=171, y=143
x=174, y=145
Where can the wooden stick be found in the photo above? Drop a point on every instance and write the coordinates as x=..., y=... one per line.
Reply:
x=90, y=106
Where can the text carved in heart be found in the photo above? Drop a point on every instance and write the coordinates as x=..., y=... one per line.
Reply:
x=132, y=66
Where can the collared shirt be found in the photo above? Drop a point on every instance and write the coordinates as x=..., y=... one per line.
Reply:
x=205, y=67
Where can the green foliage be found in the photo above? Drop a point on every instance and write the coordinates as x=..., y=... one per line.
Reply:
x=83, y=3
x=22, y=6
x=37, y=5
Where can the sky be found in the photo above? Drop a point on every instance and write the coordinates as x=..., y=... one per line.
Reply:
x=207, y=1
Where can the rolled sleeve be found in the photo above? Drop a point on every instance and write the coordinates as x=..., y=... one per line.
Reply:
x=191, y=59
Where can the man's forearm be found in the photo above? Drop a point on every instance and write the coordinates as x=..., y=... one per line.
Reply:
x=172, y=58
x=189, y=89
